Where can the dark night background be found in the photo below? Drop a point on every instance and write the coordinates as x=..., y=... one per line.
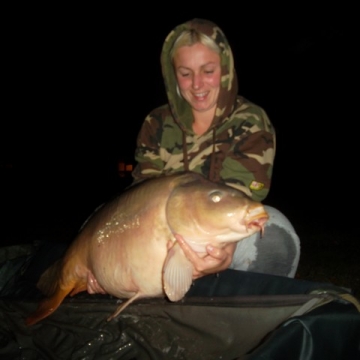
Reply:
x=79, y=83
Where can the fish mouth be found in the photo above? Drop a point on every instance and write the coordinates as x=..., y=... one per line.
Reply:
x=256, y=219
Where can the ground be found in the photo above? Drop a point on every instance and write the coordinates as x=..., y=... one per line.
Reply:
x=328, y=257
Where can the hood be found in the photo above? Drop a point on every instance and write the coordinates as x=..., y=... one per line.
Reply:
x=180, y=109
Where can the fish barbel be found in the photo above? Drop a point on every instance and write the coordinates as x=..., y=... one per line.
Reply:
x=127, y=247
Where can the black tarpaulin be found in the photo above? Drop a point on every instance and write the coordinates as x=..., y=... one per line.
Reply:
x=233, y=315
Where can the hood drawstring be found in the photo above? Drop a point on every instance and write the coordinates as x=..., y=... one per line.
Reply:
x=185, y=154
x=212, y=173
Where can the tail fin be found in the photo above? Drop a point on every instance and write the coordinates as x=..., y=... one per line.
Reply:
x=49, y=285
x=48, y=282
x=47, y=307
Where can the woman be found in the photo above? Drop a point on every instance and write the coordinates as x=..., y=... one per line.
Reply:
x=206, y=127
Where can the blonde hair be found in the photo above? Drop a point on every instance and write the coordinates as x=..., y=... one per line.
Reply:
x=191, y=37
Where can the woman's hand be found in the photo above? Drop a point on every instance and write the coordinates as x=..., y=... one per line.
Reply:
x=215, y=259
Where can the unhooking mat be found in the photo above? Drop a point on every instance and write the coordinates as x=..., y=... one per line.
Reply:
x=231, y=315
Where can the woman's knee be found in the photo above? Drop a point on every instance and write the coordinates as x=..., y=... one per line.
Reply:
x=276, y=217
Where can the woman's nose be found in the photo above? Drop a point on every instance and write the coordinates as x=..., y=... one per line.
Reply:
x=197, y=82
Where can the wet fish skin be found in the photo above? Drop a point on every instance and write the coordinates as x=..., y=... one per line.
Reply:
x=127, y=248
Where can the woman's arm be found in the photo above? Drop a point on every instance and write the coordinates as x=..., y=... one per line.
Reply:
x=248, y=160
x=147, y=153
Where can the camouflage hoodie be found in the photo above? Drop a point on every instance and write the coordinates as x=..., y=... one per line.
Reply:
x=237, y=149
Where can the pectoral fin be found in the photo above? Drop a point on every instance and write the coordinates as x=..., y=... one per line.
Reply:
x=123, y=306
x=177, y=274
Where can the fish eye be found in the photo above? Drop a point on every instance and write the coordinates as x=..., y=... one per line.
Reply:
x=215, y=196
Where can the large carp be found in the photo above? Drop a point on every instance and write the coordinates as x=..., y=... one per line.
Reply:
x=127, y=248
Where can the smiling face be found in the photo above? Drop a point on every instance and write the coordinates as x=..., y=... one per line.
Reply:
x=198, y=74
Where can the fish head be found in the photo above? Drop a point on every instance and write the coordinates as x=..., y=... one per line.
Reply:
x=203, y=212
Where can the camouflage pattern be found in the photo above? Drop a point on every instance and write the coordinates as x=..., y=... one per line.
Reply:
x=239, y=147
